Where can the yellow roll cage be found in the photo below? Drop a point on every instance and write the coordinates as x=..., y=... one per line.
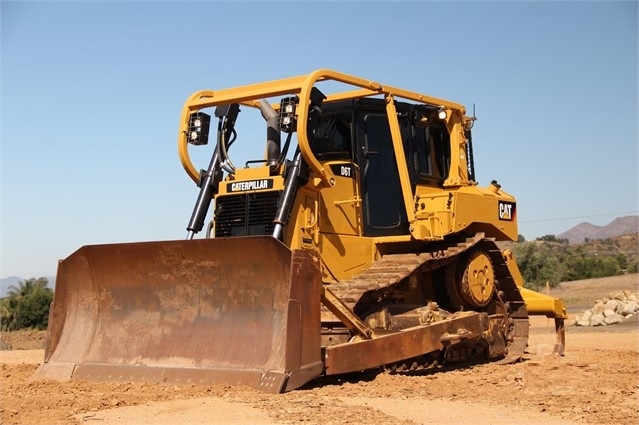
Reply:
x=249, y=95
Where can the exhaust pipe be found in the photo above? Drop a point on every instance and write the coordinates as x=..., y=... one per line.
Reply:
x=273, y=140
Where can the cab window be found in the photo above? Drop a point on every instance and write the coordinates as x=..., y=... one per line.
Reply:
x=332, y=139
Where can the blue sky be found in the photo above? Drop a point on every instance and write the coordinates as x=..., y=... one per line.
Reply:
x=92, y=92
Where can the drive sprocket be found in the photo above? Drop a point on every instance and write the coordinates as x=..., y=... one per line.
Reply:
x=477, y=285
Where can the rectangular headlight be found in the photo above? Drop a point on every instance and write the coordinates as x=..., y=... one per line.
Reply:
x=198, y=131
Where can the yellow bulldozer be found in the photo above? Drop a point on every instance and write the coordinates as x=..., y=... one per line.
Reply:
x=356, y=239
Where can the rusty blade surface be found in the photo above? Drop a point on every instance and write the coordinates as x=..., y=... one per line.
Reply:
x=238, y=310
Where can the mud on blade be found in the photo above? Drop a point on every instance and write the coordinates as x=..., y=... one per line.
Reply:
x=240, y=311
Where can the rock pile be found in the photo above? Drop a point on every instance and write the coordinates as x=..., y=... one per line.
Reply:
x=610, y=310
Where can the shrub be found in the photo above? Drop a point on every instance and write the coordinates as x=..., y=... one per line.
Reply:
x=26, y=306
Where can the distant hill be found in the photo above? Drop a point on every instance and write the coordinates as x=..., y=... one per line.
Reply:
x=6, y=282
x=627, y=245
x=619, y=226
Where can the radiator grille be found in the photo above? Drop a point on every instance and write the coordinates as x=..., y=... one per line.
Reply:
x=248, y=214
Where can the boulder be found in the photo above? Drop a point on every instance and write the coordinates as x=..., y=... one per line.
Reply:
x=586, y=316
x=609, y=312
x=611, y=305
x=614, y=318
x=598, y=308
x=597, y=319
x=627, y=307
x=583, y=319
x=621, y=296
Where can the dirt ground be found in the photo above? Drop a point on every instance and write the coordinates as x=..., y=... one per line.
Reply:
x=596, y=382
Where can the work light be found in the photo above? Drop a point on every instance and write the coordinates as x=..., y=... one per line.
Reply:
x=287, y=114
x=198, y=131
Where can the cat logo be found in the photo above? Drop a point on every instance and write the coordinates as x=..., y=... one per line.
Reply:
x=507, y=210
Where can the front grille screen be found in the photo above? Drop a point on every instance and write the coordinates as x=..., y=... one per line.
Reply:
x=247, y=214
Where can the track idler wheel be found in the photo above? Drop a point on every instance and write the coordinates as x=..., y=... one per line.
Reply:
x=475, y=286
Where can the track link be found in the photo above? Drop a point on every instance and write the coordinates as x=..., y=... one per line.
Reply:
x=393, y=268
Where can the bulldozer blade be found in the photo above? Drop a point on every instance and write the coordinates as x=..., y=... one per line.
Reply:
x=239, y=311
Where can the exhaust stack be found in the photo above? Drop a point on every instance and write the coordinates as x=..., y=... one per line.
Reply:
x=273, y=140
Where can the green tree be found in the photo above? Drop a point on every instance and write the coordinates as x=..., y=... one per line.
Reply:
x=551, y=260
x=553, y=238
x=530, y=263
x=26, y=305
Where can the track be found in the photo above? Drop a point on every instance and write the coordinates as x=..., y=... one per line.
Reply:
x=388, y=272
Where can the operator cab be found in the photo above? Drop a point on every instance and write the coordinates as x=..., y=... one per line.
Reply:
x=358, y=132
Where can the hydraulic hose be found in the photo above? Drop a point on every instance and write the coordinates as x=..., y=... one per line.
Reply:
x=288, y=195
x=208, y=187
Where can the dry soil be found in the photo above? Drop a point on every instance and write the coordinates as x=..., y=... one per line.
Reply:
x=596, y=382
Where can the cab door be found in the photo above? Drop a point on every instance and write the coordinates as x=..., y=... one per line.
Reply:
x=382, y=203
